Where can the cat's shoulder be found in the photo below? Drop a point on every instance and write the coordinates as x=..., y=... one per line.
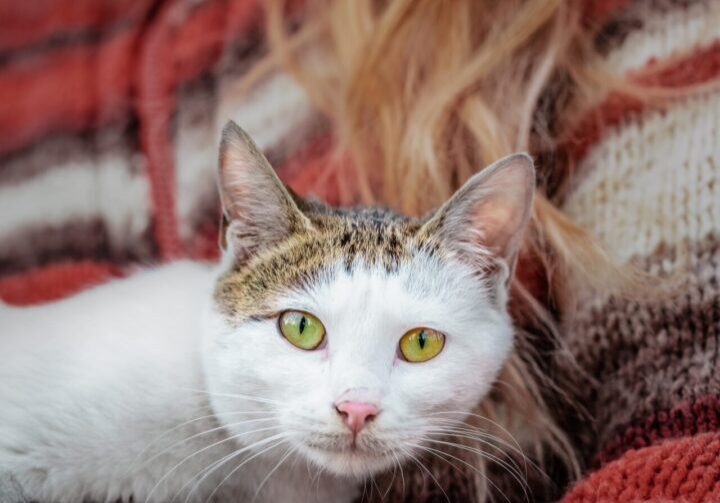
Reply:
x=176, y=279
x=161, y=294
x=183, y=274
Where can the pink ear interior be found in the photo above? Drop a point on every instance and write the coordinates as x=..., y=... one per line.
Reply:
x=259, y=208
x=491, y=210
x=504, y=205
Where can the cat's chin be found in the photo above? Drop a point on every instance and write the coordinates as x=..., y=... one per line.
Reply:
x=349, y=462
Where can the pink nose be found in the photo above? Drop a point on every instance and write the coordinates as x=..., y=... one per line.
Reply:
x=356, y=414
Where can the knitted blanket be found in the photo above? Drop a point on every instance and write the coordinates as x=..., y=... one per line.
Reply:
x=109, y=120
x=647, y=184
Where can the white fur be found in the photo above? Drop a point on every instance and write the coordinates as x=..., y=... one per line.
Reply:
x=87, y=385
x=365, y=313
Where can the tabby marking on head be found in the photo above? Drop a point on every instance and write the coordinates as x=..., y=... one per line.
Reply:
x=367, y=277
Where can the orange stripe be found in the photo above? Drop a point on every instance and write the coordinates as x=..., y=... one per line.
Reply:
x=686, y=469
x=54, y=282
x=31, y=22
x=597, y=11
x=71, y=89
x=168, y=43
x=86, y=86
x=700, y=67
x=688, y=417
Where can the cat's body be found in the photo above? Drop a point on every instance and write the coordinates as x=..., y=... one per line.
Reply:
x=326, y=347
x=97, y=398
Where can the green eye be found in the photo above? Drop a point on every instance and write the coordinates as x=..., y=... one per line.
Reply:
x=302, y=329
x=421, y=344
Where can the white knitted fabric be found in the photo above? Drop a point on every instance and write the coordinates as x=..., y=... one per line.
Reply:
x=666, y=33
x=652, y=180
x=109, y=187
x=271, y=113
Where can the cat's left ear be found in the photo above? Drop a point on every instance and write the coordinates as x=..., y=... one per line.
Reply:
x=487, y=216
x=258, y=210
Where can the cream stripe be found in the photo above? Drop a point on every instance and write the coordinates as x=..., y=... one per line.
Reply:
x=666, y=33
x=104, y=189
x=653, y=180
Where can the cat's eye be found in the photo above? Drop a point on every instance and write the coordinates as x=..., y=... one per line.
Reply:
x=302, y=329
x=421, y=344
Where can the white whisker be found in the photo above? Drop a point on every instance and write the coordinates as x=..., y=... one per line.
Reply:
x=246, y=460
x=415, y=460
x=392, y=480
x=207, y=471
x=511, y=460
x=402, y=475
x=362, y=497
x=186, y=423
x=438, y=453
x=267, y=477
x=373, y=486
x=233, y=395
x=466, y=428
x=512, y=470
x=206, y=432
x=231, y=437
x=482, y=418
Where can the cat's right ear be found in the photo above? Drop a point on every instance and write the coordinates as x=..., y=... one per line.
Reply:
x=258, y=211
x=484, y=221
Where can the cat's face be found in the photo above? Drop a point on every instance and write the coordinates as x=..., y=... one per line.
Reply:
x=353, y=337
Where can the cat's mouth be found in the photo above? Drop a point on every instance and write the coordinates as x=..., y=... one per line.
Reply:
x=349, y=448
x=351, y=457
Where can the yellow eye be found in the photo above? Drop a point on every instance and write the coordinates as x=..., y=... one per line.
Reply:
x=421, y=344
x=302, y=329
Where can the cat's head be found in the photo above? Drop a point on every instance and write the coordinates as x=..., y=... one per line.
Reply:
x=351, y=336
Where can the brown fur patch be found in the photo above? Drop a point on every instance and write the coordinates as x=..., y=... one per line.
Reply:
x=373, y=236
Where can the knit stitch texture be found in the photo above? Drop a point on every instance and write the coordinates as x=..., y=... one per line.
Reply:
x=109, y=121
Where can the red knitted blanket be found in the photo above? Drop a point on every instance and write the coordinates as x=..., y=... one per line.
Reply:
x=109, y=114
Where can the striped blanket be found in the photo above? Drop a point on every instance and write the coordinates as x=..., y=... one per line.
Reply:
x=110, y=113
x=109, y=125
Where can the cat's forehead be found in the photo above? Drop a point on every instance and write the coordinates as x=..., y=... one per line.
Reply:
x=369, y=235
x=354, y=237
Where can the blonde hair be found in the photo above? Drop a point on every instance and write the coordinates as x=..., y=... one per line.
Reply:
x=421, y=94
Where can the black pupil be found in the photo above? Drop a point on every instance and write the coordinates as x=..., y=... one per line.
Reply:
x=421, y=339
x=303, y=323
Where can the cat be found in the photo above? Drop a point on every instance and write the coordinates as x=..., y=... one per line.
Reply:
x=326, y=346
